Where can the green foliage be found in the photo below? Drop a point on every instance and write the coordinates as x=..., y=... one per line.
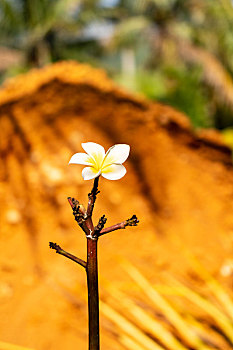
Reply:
x=181, y=51
x=187, y=94
x=151, y=84
x=178, y=87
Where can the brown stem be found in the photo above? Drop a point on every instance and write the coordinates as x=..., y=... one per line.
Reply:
x=115, y=227
x=84, y=219
x=92, y=197
x=93, y=293
x=60, y=251
x=90, y=206
x=133, y=221
x=92, y=273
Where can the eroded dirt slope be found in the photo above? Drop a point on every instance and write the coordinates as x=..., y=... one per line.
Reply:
x=179, y=183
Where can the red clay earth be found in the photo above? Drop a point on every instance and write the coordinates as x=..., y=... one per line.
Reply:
x=178, y=182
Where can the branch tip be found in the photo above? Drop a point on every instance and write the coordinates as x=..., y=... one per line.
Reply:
x=59, y=250
x=54, y=246
x=133, y=221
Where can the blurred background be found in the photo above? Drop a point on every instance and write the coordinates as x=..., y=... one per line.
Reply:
x=157, y=75
x=174, y=51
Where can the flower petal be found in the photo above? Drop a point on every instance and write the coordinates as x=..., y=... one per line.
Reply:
x=116, y=154
x=80, y=158
x=89, y=173
x=96, y=152
x=113, y=172
x=93, y=148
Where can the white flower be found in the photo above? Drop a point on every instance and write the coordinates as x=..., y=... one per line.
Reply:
x=108, y=164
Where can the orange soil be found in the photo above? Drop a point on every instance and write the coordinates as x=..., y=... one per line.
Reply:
x=179, y=183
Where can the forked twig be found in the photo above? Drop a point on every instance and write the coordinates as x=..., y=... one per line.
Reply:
x=84, y=219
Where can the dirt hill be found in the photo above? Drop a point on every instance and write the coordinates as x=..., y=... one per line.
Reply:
x=179, y=183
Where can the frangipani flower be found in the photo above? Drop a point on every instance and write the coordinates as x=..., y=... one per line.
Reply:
x=108, y=164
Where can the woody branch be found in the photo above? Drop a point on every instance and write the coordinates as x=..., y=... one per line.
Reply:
x=84, y=219
x=133, y=221
x=60, y=251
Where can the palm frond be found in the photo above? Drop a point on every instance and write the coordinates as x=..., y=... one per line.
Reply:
x=219, y=318
x=128, y=327
x=214, y=286
x=163, y=305
x=215, y=75
x=145, y=321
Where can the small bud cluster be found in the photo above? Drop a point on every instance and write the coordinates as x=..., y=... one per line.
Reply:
x=78, y=214
x=133, y=221
x=84, y=216
x=101, y=223
x=54, y=246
